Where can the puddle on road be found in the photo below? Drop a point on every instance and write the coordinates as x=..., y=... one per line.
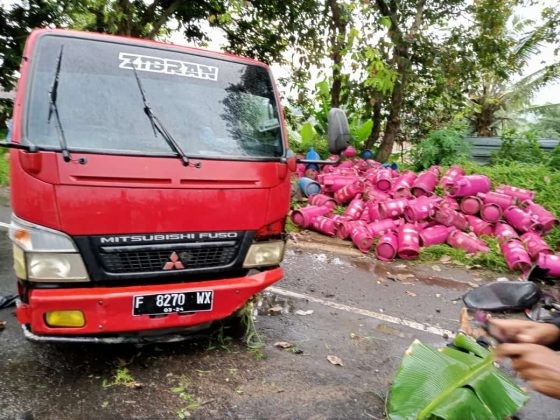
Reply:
x=387, y=329
x=268, y=303
x=384, y=271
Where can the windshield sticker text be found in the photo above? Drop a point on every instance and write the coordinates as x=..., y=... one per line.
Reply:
x=168, y=66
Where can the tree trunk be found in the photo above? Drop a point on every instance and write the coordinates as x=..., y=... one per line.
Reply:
x=338, y=37
x=393, y=125
x=376, y=117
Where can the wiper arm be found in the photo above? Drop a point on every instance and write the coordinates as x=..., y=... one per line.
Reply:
x=53, y=109
x=157, y=125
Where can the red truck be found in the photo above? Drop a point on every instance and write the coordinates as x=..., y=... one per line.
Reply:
x=150, y=185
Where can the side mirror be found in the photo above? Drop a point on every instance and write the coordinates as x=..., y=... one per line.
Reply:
x=339, y=132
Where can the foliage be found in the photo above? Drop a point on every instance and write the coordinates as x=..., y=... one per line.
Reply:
x=500, y=49
x=547, y=124
x=518, y=147
x=450, y=382
x=136, y=18
x=122, y=376
x=445, y=146
x=493, y=260
x=190, y=402
x=4, y=165
x=554, y=161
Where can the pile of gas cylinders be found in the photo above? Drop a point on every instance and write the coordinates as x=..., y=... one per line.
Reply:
x=394, y=213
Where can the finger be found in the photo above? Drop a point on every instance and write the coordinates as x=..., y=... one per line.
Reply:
x=513, y=349
x=520, y=364
x=546, y=386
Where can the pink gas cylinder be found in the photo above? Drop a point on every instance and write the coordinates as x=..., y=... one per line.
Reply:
x=424, y=184
x=452, y=173
x=409, y=242
x=471, y=205
x=479, y=226
x=392, y=208
x=522, y=221
x=304, y=217
x=517, y=258
x=519, y=193
x=535, y=245
x=434, y=235
x=542, y=215
x=466, y=185
x=387, y=246
x=466, y=242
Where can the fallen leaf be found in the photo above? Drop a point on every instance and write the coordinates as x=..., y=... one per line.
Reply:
x=283, y=345
x=335, y=360
x=2, y=325
x=436, y=268
x=303, y=313
x=445, y=259
x=354, y=336
x=275, y=310
x=409, y=293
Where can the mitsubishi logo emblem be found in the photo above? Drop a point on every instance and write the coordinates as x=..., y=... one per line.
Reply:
x=173, y=262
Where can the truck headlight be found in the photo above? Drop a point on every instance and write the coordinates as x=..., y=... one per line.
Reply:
x=45, y=255
x=264, y=254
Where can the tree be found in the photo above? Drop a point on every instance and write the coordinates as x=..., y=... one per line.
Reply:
x=408, y=22
x=136, y=18
x=502, y=46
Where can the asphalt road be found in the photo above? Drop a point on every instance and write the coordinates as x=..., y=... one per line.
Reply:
x=364, y=312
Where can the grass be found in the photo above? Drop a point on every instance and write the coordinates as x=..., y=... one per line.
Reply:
x=4, y=167
x=191, y=403
x=122, y=376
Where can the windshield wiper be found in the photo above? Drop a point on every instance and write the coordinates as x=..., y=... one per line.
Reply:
x=53, y=108
x=157, y=125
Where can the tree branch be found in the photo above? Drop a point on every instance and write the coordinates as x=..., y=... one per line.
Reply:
x=163, y=18
x=385, y=11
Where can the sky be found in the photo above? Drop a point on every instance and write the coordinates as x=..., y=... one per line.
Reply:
x=549, y=94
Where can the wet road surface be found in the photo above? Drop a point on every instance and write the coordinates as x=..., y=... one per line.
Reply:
x=357, y=307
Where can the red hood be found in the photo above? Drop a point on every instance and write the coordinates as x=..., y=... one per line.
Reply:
x=122, y=194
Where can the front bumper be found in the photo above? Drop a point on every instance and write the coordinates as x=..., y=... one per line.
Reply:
x=108, y=310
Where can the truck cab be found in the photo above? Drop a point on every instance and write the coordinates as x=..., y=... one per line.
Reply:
x=150, y=185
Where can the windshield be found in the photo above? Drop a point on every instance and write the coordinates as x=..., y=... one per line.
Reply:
x=211, y=107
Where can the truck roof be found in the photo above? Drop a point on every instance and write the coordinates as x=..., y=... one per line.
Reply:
x=37, y=33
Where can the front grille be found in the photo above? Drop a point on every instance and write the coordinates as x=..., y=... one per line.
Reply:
x=197, y=257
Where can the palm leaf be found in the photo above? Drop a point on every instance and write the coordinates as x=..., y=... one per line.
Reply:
x=452, y=383
x=521, y=92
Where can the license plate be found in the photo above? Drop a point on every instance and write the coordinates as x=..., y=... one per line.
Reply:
x=167, y=303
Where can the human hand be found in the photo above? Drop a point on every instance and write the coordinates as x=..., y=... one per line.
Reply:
x=520, y=331
x=538, y=365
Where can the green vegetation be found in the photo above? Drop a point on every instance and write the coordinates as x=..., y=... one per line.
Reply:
x=4, y=168
x=445, y=146
x=191, y=402
x=121, y=376
x=519, y=147
x=453, y=381
x=492, y=260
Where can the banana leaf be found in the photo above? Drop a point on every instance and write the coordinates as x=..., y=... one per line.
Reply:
x=452, y=383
